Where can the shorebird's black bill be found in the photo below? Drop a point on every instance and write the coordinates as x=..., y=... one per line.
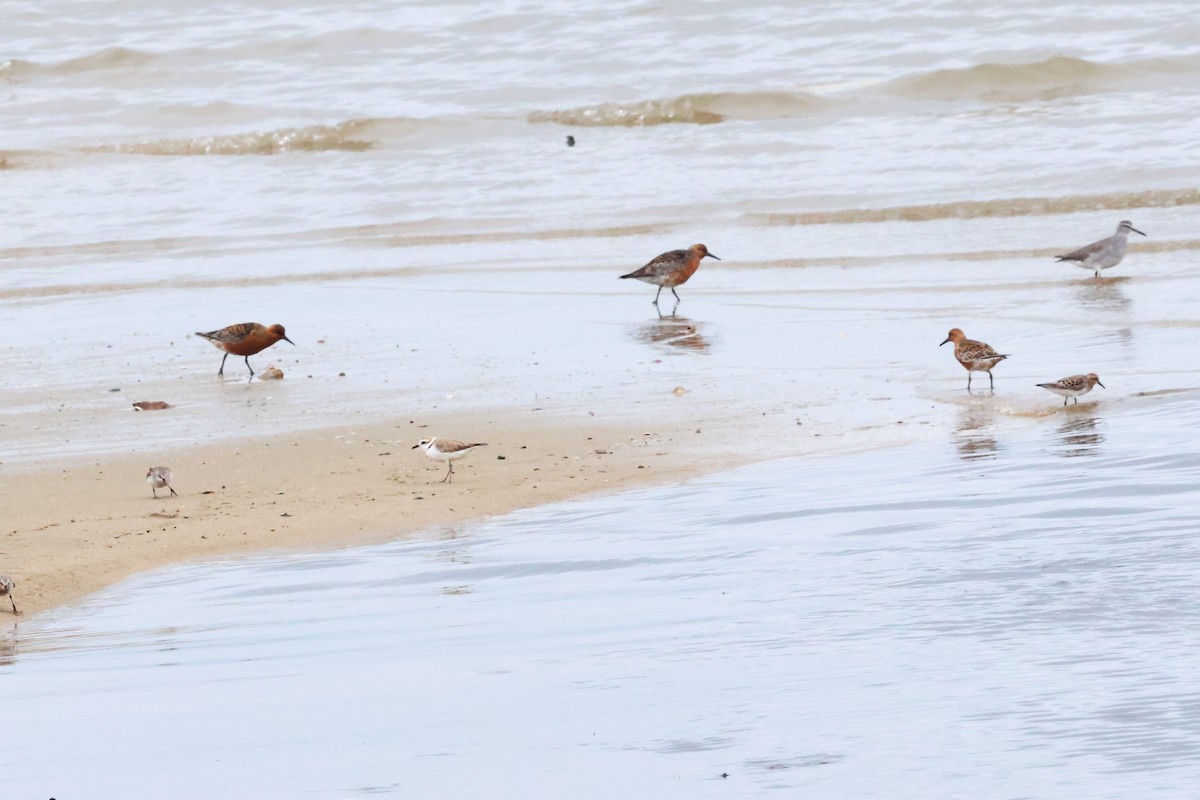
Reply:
x=1101, y=385
x=1135, y=230
x=710, y=255
x=944, y=341
x=289, y=341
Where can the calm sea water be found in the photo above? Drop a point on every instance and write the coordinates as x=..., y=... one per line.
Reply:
x=393, y=179
x=1007, y=613
x=995, y=604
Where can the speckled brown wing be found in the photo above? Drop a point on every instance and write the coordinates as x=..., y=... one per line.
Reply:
x=232, y=333
x=1074, y=383
x=660, y=266
x=971, y=351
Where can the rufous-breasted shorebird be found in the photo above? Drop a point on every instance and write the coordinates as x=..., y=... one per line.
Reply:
x=245, y=339
x=1075, y=386
x=974, y=356
x=448, y=450
x=671, y=269
x=1105, y=253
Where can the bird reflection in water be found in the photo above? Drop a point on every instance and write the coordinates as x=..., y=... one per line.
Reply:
x=1080, y=433
x=675, y=332
x=8, y=650
x=1105, y=294
x=972, y=434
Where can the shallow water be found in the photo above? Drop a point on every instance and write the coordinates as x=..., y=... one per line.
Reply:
x=1013, y=603
x=996, y=602
x=393, y=180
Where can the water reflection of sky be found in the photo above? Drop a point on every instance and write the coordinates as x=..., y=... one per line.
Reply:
x=780, y=625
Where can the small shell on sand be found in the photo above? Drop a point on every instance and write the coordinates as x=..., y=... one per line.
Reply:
x=150, y=405
x=271, y=373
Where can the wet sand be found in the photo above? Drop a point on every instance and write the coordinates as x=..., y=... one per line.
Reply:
x=806, y=371
x=72, y=530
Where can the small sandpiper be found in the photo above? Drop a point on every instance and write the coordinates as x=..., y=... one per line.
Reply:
x=158, y=477
x=1104, y=253
x=245, y=339
x=974, y=356
x=672, y=269
x=6, y=588
x=448, y=450
x=1074, y=386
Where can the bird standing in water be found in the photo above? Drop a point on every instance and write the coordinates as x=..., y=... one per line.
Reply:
x=672, y=269
x=974, y=356
x=245, y=339
x=1104, y=253
x=1075, y=386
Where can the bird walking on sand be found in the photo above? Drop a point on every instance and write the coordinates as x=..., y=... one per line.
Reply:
x=671, y=269
x=158, y=477
x=1104, y=253
x=974, y=356
x=448, y=450
x=1075, y=386
x=245, y=339
x=6, y=588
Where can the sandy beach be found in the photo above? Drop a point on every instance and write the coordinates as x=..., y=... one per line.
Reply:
x=765, y=543
x=89, y=524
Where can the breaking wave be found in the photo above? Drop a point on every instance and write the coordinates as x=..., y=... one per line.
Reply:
x=693, y=109
x=348, y=136
x=108, y=58
x=1003, y=207
x=1060, y=76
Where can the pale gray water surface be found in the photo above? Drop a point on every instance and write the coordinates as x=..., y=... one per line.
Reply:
x=393, y=179
x=1001, y=606
x=1009, y=613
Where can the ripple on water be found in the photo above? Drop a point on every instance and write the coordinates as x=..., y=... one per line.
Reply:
x=1038, y=607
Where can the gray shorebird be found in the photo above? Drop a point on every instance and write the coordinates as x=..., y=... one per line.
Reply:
x=1104, y=253
x=6, y=589
x=671, y=269
x=1075, y=386
x=158, y=477
x=448, y=450
x=245, y=339
x=974, y=356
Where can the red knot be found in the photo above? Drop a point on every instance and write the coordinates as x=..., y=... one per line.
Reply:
x=245, y=339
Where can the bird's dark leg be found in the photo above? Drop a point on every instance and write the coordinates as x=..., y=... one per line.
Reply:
x=14, y=603
x=173, y=492
x=991, y=381
x=249, y=367
x=1065, y=400
x=968, y=380
x=154, y=491
x=449, y=472
x=656, y=294
x=221, y=371
x=677, y=298
x=1076, y=401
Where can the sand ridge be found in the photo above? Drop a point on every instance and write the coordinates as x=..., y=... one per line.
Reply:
x=75, y=529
